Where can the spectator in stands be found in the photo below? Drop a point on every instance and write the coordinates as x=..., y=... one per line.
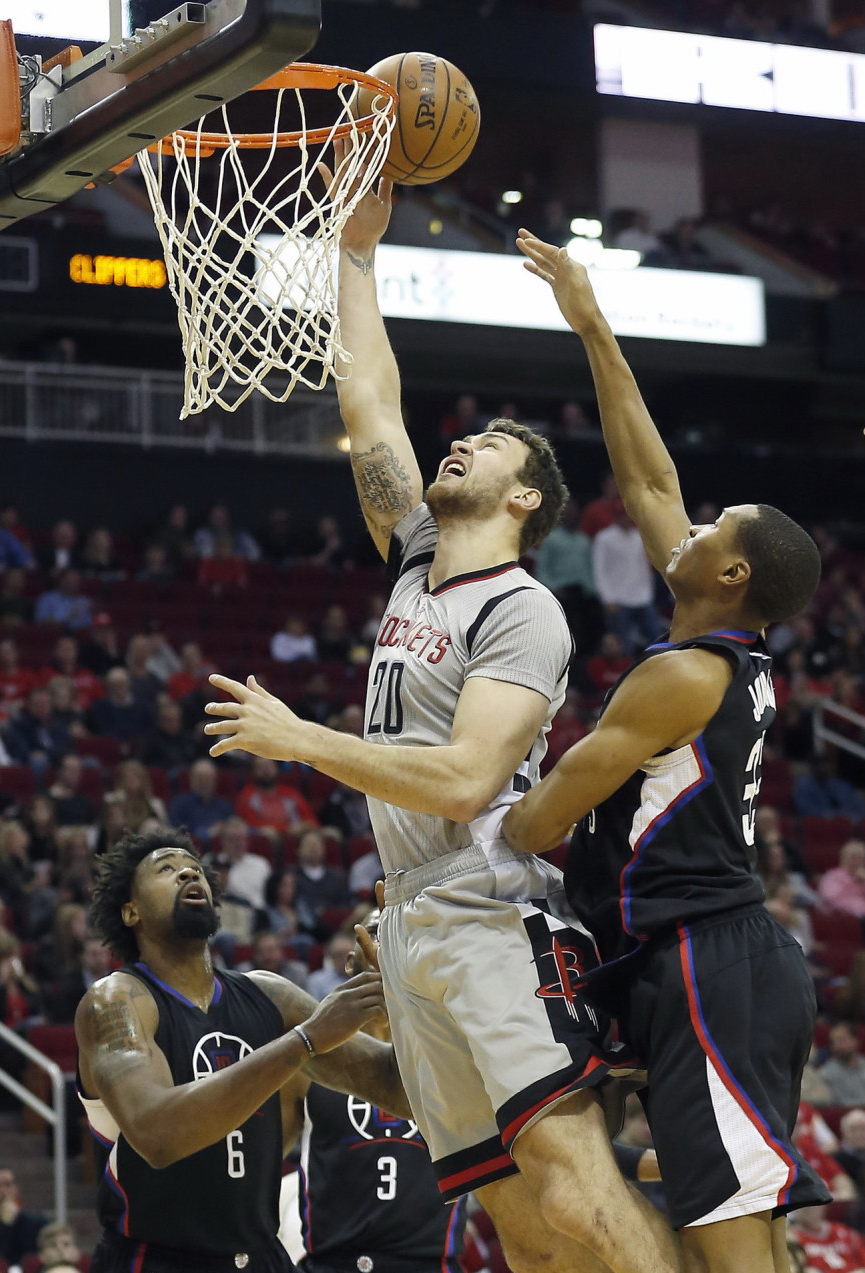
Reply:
x=796, y=719
x=844, y=1072
x=574, y=425
x=605, y=667
x=19, y=1229
x=782, y=903
x=334, y=970
x=98, y=560
x=65, y=603
x=238, y=918
x=16, y=682
x=317, y=702
x=288, y=916
x=768, y=831
x=773, y=865
x=630, y=228
x=174, y=536
x=14, y=554
x=65, y=661
x=601, y=512
x=36, y=737
x=335, y=640
x=347, y=811
x=193, y=672
x=327, y=548
x=294, y=641
x=363, y=875
x=268, y=955
x=145, y=684
x=218, y=526
x=59, y=951
x=65, y=992
x=375, y=608
x=820, y=793
x=851, y=1151
x=625, y=582
x=563, y=563
x=168, y=745
x=163, y=660
x=76, y=859
x=156, y=567
x=829, y=1247
x=62, y=553
x=133, y=794
x=465, y=419
x=247, y=872
x=10, y=519
x=322, y=887
x=270, y=803
x=843, y=887
x=200, y=810
x=57, y=1245
x=223, y=568
x=64, y=704
x=681, y=251
x=40, y=821
x=118, y=715
x=808, y=1136
x=71, y=806
x=101, y=650
x=15, y=608
x=275, y=538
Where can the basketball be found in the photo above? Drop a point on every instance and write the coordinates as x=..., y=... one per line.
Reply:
x=437, y=119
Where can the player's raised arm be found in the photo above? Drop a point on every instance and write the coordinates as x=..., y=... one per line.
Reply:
x=385, y=469
x=643, y=467
x=122, y=1065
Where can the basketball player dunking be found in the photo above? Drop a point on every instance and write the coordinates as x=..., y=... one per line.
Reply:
x=501, y=1058
x=708, y=988
x=182, y=1072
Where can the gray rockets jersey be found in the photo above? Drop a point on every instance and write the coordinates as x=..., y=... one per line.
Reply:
x=498, y=623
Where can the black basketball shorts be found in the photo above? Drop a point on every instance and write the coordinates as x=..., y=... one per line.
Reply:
x=117, y=1254
x=723, y=1015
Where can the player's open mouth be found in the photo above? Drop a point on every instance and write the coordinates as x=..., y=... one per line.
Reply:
x=193, y=893
x=453, y=468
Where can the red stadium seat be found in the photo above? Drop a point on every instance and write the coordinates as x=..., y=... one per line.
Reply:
x=359, y=845
x=822, y=839
x=106, y=750
x=17, y=781
x=333, y=917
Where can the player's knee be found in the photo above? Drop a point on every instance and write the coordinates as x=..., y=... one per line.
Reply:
x=573, y=1213
x=523, y=1256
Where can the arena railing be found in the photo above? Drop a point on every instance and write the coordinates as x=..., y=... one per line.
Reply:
x=54, y=1114
x=824, y=733
x=55, y=402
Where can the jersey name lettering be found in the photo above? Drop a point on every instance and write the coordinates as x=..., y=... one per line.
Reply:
x=762, y=693
x=414, y=637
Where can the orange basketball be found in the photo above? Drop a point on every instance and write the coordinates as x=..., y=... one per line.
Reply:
x=437, y=119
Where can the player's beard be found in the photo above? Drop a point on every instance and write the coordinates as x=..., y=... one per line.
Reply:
x=199, y=922
x=454, y=501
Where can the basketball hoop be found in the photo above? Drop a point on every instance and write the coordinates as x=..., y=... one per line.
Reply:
x=252, y=259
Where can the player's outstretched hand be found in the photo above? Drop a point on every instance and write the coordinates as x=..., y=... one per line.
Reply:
x=370, y=218
x=567, y=277
x=346, y=1010
x=257, y=722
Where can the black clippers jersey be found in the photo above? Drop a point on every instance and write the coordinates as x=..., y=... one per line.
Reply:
x=368, y=1196
x=224, y=1198
x=676, y=841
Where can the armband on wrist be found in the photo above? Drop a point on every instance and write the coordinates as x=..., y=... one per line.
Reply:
x=307, y=1041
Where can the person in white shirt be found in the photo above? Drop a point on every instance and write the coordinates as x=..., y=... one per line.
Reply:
x=293, y=642
x=625, y=583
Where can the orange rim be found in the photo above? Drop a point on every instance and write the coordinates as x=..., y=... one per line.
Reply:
x=297, y=75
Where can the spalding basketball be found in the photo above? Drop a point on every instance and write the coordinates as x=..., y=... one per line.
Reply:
x=437, y=118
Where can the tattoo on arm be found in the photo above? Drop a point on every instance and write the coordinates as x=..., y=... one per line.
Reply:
x=362, y=263
x=383, y=484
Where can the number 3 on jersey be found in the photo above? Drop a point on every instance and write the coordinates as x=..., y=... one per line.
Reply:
x=386, y=715
x=386, y=1191
x=752, y=790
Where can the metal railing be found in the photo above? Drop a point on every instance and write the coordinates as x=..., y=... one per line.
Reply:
x=51, y=402
x=54, y=1114
x=824, y=733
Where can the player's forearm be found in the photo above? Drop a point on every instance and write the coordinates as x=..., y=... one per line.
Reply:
x=448, y=781
x=543, y=817
x=172, y=1123
x=638, y=456
x=373, y=377
x=366, y=1068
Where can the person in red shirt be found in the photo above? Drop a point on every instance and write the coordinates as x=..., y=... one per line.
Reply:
x=605, y=668
x=828, y=1247
x=273, y=805
x=16, y=681
x=192, y=674
x=65, y=662
x=600, y=513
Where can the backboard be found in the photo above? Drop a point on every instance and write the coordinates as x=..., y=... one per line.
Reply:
x=100, y=80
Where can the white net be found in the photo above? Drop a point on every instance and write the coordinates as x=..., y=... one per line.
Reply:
x=251, y=248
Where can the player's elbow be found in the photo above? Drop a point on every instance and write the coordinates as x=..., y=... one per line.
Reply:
x=468, y=799
x=157, y=1149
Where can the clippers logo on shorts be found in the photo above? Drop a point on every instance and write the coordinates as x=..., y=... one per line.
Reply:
x=216, y=1052
x=568, y=967
x=374, y=1124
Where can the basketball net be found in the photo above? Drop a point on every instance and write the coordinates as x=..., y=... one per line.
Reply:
x=252, y=258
